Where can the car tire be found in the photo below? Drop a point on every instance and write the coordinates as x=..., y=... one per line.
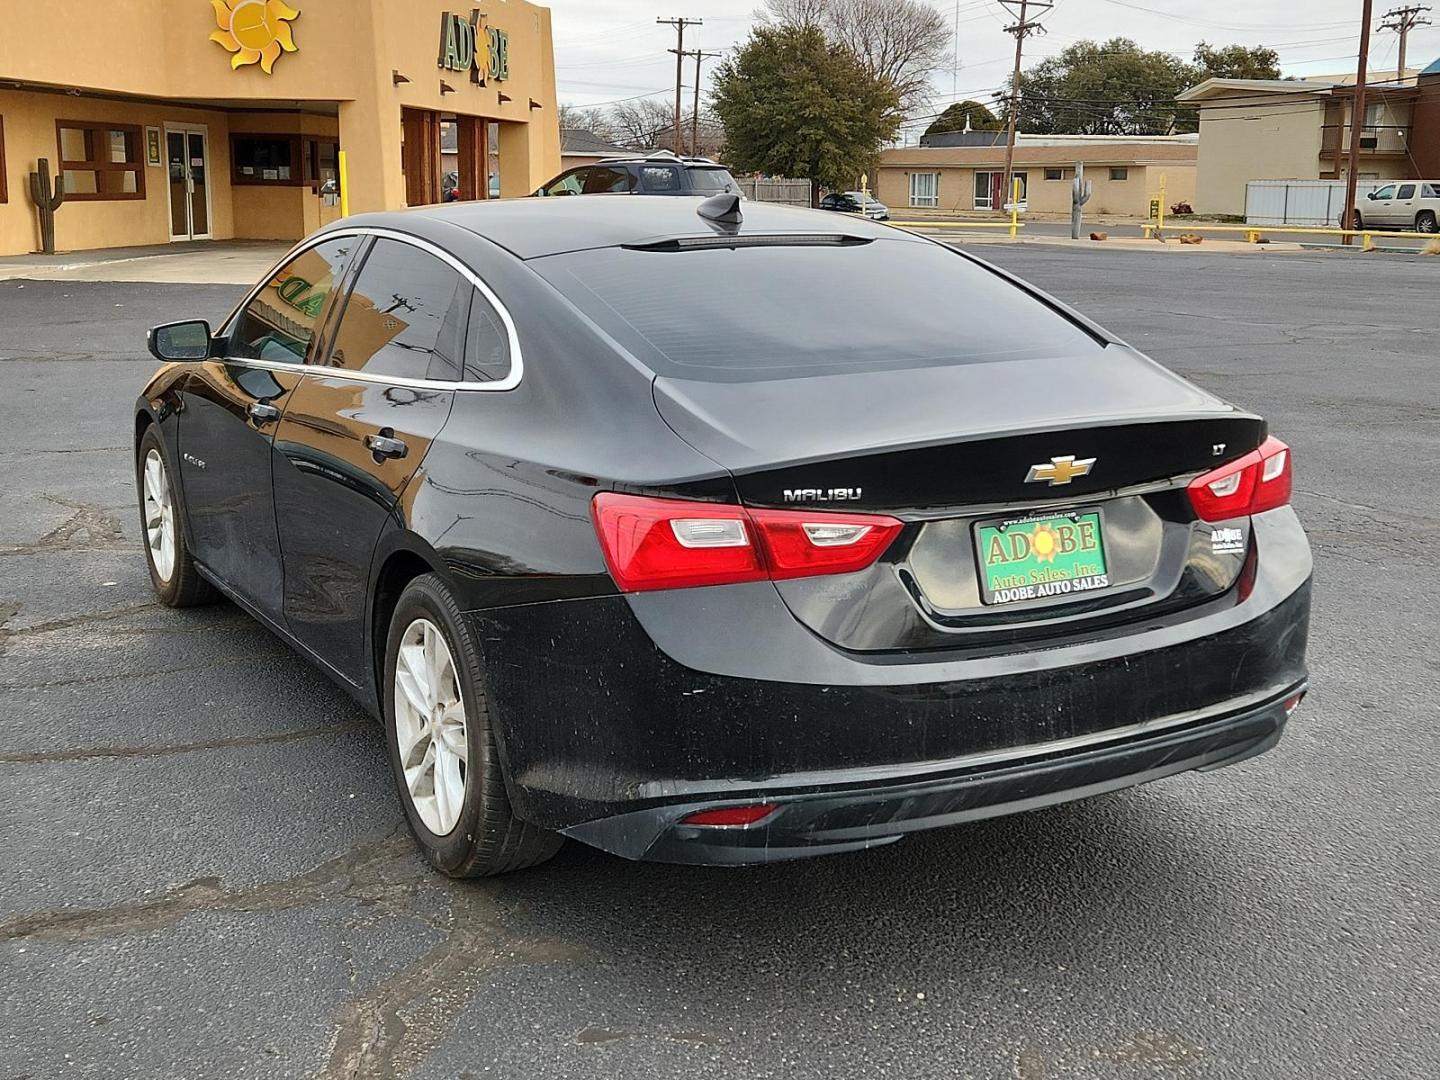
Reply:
x=448, y=774
x=1356, y=220
x=173, y=574
x=1426, y=222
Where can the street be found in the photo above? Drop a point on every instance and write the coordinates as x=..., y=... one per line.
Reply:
x=207, y=873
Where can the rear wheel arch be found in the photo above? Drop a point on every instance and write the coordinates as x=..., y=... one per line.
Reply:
x=404, y=558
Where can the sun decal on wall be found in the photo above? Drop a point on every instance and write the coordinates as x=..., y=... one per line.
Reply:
x=254, y=30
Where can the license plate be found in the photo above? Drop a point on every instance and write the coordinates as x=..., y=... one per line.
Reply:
x=1041, y=557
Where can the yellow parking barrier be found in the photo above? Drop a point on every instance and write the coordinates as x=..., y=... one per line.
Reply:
x=1254, y=233
x=957, y=225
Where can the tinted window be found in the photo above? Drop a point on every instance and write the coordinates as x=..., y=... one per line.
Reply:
x=660, y=178
x=708, y=181
x=405, y=315
x=1386, y=192
x=1407, y=191
x=1430, y=191
x=604, y=180
x=280, y=323
x=487, y=345
x=740, y=314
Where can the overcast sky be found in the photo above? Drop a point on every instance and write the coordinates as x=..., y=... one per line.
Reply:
x=611, y=49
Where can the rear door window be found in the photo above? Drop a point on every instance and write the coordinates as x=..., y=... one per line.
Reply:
x=282, y=322
x=660, y=179
x=740, y=314
x=1407, y=191
x=405, y=317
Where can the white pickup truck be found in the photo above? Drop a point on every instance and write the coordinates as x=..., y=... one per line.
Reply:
x=1403, y=205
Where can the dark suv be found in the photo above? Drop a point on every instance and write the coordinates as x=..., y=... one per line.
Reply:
x=654, y=174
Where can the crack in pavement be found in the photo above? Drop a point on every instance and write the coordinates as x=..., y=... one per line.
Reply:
x=389, y=1030
x=357, y=872
x=90, y=528
x=9, y=611
x=96, y=753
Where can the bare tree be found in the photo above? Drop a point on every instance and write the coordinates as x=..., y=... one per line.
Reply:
x=595, y=120
x=900, y=42
x=643, y=124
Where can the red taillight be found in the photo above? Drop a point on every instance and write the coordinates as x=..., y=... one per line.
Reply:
x=730, y=815
x=1257, y=482
x=670, y=544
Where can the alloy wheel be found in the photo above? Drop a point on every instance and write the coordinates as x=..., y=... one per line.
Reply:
x=159, y=516
x=430, y=726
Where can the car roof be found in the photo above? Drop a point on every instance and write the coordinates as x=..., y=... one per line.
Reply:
x=531, y=228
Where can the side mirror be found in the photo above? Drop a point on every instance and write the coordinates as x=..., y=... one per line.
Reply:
x=1371, y=195
x=189, y=340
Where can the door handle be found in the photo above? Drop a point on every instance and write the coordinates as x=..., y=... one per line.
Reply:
x=384, y=446
x=262, y=412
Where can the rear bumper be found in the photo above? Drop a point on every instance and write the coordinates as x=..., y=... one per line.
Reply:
x=869, y=815
x=616, y=716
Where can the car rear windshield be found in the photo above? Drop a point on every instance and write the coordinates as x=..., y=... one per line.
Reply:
x=771, y=312
x=706, y=181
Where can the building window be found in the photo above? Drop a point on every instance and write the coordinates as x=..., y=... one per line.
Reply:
x=101, y=161
x=1054, y=174
x=924, y=189
x=322, y=162
x=1121, y=173
x=266, y=159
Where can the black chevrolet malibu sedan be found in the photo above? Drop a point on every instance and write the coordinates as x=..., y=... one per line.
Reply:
x=722, y=533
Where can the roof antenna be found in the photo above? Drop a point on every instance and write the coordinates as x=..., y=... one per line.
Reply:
x=722, y=209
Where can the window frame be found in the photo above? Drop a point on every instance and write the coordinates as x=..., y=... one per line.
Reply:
x=1060, y=174
x=931, y=201
x=517, y=359
x=312, y=144
x=135, y=137
x=297, y=154
x=1123, y=170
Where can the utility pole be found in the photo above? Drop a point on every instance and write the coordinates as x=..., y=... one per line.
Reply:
x=679, y=24
x=1402, y=21
x=1357, y=117
x=700, y=56
x=1022, y=28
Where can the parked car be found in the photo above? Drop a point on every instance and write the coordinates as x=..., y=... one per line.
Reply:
x=661, y=173
x=1405, y=205
x=627, y=531
x=856, y=202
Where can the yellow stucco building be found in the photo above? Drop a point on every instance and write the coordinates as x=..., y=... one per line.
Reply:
x=221, y=119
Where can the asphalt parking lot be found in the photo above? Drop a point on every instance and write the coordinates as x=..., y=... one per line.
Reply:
x=204, y=871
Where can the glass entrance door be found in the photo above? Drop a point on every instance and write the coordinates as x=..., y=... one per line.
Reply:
x=187, y=159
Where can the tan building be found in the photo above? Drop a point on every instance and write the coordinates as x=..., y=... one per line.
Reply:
x=181, y=119
x=1299, y=129
x=1126, y=173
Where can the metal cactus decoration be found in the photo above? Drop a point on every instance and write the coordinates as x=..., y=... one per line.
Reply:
x=1080, y=192
x=47, y=201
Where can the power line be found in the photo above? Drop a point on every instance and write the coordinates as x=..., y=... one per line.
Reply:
x=1022, y=28
x=1402, y=21
x=679, y=24
x=700, y=56
x=1357, y=112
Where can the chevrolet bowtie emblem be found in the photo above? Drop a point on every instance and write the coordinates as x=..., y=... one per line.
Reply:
x=1060, y=470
